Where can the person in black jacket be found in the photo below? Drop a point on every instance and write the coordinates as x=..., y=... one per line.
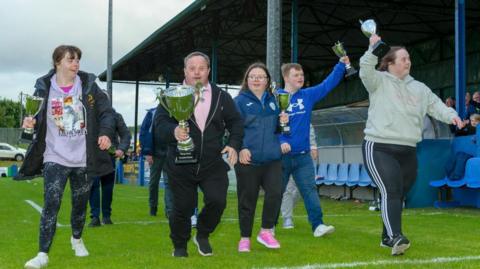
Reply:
x=214, y=113
x=73, y=131
x=120, y=145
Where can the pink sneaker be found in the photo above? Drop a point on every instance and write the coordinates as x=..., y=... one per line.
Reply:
x=244, y=245
x=266, y=238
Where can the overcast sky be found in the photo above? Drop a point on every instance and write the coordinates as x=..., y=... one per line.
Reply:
x=31, y=29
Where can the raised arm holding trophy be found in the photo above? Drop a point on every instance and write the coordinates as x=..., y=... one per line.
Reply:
x=33, y=104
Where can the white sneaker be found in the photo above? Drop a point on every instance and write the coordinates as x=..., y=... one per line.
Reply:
x=193, y=220
x=40, y=261
x=79, y=247
x=288, y=223
x=323, y=229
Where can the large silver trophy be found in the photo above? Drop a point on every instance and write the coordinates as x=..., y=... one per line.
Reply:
x=369, y=27
x=283, y=100
x=180, y=102
x=33, y=105
x=341, y=52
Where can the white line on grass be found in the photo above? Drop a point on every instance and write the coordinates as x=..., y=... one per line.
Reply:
x=383, y=262
x=39, y=209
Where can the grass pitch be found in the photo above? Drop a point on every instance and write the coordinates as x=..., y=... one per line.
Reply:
x=440, y=238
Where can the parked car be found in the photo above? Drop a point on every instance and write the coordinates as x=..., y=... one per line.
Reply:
x=8, y=151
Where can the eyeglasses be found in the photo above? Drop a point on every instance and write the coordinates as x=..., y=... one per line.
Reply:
x=259, y=78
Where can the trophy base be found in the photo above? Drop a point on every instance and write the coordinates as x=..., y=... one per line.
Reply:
x=185, y=157
x=350, y=72
x=26, y=137
x=380, y=49
x=285, y=130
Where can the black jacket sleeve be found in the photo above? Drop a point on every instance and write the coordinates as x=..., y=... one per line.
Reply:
x=105, y=114
x=123, y=133
x=233, y=122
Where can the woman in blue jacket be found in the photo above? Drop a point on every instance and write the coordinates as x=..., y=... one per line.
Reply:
x=260, y=157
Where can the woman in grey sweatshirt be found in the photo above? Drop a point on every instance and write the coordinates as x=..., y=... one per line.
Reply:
x=398, y=105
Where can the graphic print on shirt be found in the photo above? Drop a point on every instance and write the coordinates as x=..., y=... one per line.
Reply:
x=298, y=104
x=67, y=113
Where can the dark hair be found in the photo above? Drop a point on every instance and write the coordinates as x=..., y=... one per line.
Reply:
x=196, y=53
x=289, y=66
x=390, y=57
x=62, y=50
x=260, y=65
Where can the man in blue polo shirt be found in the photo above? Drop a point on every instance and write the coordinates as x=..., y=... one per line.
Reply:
x=296, y=160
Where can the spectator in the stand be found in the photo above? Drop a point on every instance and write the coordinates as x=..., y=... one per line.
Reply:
x=398, y=105
x=471, y=127
x=468, y=98
x=120, y=144
x=450, y=102
x=291, y=194
x=474, y=105
x=155, y=153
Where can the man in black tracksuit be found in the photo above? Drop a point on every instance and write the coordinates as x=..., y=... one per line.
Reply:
x=214, y=113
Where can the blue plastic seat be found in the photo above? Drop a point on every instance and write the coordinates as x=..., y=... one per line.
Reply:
x=332, y=174
x=342, y=174
x=353, y=175
x=321, y=173
x=472, y=173
x=365, y=179
x=439, y=183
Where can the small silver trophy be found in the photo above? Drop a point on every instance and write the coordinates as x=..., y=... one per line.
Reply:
x=369, y=27
x=341, y=52
x=33, y=105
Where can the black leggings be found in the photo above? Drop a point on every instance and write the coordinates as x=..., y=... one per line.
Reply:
x=394, y=169
x=249, y=180
x=55, y=179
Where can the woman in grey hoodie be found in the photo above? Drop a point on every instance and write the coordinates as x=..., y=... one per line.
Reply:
x=398, y=105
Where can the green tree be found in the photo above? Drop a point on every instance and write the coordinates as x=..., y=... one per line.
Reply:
x=9, y=113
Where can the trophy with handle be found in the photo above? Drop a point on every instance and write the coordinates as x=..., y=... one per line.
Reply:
x=180, y=102
x=33, y=105
x=369, y=27
x=341, y=52
x=283, y=100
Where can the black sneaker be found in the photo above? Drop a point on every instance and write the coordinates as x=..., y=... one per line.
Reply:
x=386, y=243
x=153, y=211
x=399, y=245
x=203, y=246
x=180, y=253
x=95, y=222
x=107, y=221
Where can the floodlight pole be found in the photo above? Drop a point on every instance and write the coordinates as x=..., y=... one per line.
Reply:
x=460, y=77
x=109, y=52
x=274, y=38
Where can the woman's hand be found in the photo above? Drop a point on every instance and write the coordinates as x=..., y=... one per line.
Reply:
x=29, y=122
x=458, y=122
x=283, y=117
x=374, y=39
x=104, y=142
x=245, y=156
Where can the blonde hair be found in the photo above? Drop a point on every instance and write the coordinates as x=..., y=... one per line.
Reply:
x=475, y=117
